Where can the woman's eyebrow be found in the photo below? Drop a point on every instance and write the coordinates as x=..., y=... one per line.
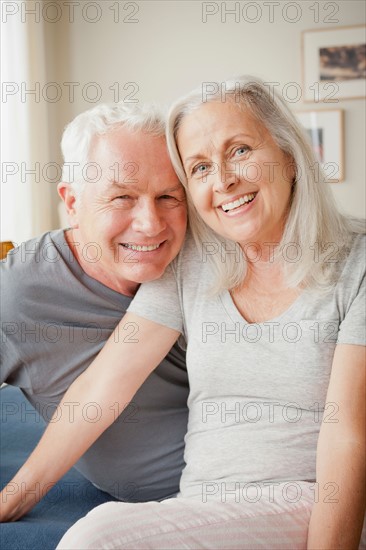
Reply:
x=240, y=135
x=194, y=157
x=225, y=143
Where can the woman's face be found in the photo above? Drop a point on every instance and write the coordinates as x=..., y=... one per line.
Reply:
x=239, y=179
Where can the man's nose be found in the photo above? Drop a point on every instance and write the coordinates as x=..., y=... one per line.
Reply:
x=226, y=177
x=149, y=220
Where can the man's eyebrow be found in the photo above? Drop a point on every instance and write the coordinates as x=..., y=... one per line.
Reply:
x=118, y=185
x=178, y=187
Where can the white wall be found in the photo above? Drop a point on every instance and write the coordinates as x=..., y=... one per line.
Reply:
x=171, y=50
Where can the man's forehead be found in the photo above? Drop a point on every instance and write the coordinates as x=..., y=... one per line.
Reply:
x=133, y=160
x=122, y=141
x=108, y=180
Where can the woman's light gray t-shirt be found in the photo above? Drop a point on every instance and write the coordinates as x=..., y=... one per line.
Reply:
x=257, y=391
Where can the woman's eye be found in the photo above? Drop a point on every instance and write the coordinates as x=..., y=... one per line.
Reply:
x=200, y=169
x=240, y=151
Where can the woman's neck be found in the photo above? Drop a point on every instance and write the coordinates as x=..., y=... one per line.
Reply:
x=264, y=293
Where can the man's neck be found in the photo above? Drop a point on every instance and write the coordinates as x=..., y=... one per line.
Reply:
x=128, y=288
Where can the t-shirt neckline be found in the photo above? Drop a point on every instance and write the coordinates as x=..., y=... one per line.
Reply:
x=235, y=315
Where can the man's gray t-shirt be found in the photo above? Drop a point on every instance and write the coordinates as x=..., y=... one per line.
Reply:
x=54, y=320
x=257, y=391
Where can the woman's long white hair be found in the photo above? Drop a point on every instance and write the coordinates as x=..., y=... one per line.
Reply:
x=315, y=230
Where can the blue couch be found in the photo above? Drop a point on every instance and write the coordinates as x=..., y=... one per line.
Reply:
x=69, y=500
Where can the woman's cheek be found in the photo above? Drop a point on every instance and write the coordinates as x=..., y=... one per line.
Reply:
x=252, y=172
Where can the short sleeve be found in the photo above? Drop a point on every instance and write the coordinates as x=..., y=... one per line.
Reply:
x=352, y=330
x=159, y=301
x=11, y=295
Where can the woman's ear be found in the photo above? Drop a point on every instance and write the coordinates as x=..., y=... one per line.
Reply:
x=68, y=196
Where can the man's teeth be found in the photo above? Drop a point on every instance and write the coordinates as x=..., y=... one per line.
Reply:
x=239, y=202
x=139, y=248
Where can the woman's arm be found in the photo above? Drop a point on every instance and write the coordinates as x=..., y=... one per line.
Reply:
x=341, y=457
x=113, y=377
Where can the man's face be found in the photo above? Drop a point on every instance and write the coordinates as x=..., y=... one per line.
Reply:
x=135, y=212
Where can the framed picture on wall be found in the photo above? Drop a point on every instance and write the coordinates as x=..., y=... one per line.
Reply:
x=325, y=129
x=334, y=64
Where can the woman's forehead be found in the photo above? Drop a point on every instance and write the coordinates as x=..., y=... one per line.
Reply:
x=217, y=120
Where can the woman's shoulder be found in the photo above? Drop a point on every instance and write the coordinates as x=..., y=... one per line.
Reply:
x=358, y=246
x=190, y=255
x=356, y=257
x=192, y=266
x=353, y=262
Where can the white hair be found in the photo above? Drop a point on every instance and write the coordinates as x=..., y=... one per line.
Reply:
x=79, y=133
x=313, y=223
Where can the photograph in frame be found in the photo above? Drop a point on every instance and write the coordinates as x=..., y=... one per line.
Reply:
x=325, y=129
x=334, y=64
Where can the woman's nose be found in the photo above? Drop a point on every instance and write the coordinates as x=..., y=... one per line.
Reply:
x=227, y=175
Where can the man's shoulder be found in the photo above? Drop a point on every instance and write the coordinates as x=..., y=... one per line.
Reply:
x=38, y=253
x=31, y=262
x=34, y=252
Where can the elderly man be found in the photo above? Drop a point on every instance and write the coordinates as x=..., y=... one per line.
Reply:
x=64, y=293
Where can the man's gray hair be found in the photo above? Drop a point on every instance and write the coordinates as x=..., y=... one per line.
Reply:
x=314, y=226
x=78, y=134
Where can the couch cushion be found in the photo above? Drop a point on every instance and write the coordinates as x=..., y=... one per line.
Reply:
x=70, y=499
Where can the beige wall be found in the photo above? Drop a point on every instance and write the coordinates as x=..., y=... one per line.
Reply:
x=170, y=50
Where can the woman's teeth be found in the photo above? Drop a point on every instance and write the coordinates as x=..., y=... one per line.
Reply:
x=139, y=248
x=239, y=202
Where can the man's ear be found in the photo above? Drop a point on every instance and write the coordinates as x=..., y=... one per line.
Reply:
x=68, y=196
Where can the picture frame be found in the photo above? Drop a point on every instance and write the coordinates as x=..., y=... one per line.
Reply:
x=334, y=64
x=325, y=128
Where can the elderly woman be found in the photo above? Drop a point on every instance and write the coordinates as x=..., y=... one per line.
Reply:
x=269, y=295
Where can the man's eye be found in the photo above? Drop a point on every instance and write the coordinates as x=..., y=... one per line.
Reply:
x=169, y=201
x=123, y=197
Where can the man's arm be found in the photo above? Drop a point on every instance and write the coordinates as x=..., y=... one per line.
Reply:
x=111, y=380
x=337, y=519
